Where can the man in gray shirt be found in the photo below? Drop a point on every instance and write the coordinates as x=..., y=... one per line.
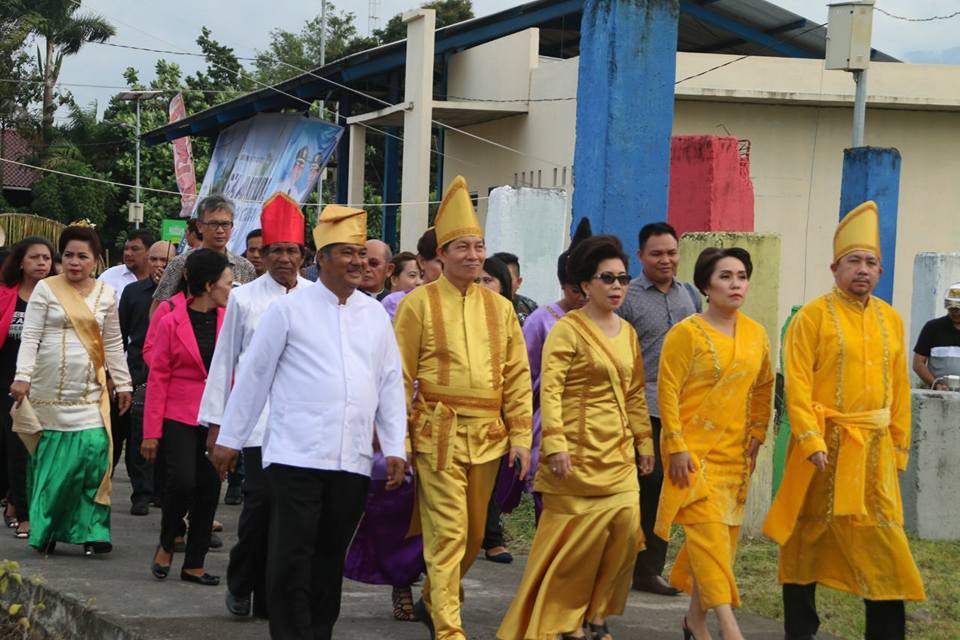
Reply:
x=655, y=301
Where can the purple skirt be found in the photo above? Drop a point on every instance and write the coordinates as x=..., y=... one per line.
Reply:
x=509, y=489
x=381, y=553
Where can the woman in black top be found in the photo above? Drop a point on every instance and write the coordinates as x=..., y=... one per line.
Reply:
x=179, y=362
x=29, y=262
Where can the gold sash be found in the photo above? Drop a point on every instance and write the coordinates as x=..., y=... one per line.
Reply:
x=850, y=473
x=450, y=403
x=88, y=331
x=708, y=422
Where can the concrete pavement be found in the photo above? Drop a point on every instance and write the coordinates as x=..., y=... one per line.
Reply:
x=115, y=596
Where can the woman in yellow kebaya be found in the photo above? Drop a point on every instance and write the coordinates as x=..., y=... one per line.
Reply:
x=595, y=429
x=714, y=386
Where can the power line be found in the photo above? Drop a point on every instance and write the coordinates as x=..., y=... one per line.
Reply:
x=118, y=87
x=948, y=16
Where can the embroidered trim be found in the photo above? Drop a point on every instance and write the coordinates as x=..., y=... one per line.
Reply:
x=841, y=350
x=519, y=423
x=464, y=401
x=496, y=432
x=812, y=433
x=887, y=388
x=63, y=357
x=493, y=333
x=671, y=435
x=584, y=397
x=832, y=457
x=439, y=335
x=552, y=312
x=713, y=351
x=552, y=431
x=64, y=403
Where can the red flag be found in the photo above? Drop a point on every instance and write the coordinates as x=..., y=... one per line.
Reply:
x=183, y=160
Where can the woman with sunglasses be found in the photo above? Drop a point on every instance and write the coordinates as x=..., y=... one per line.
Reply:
x=595, y=429
x=715, y=385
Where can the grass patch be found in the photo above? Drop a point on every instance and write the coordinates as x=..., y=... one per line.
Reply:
x=841, y=614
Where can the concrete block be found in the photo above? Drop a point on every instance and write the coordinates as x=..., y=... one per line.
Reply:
x=931, y=483
x=932, y=274
x=763, y=300
x=872, y=173
x=627, y=71
x=710, y=188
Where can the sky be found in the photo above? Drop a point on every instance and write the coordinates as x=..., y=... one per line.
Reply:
x=245, y=25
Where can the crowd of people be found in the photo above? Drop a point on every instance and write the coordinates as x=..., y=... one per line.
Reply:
x=375, y=414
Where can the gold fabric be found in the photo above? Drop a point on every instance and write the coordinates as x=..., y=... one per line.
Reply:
x=580, y=565
x=88, y=330
x=846, y=375
x=456, y=217
x=715, y=394
x=453, y=508
x=26, y=424
x=469, y=399
x=708, y=552
x=858, y=231
x=593, y=407
x=339, y=224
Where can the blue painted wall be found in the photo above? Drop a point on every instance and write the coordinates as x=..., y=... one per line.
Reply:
x=625, y=115
x=873, y=173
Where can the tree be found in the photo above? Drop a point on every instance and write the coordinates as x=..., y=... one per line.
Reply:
x=448, y=12
x=63, y=32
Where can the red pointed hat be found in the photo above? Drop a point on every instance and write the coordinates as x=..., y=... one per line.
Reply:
x=281, y=220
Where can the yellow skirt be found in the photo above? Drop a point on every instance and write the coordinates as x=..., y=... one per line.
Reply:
x=580, y=565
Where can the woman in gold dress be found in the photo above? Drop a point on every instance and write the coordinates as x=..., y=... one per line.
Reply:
x=714, y=386
x=595, y=430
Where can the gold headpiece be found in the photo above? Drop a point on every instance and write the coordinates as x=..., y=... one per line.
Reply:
x=339, y=224
x=456, y=217
x=858, y=231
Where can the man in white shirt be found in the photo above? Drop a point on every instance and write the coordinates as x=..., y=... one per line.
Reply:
x=326, y=357
x=282, y=225
x=136, y=265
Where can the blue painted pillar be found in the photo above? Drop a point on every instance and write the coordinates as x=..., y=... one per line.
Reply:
x=391, y=170
x=873, y=173
x=625, y=98
x=343, y=151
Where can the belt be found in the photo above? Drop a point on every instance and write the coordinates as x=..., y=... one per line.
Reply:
x=449, y=404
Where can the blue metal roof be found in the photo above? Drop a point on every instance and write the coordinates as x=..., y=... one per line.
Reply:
x=744, y=27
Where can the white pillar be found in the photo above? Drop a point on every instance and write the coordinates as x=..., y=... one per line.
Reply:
x=415, y=180
x=355, y=164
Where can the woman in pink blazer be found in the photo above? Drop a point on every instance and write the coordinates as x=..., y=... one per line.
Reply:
x=181, y=352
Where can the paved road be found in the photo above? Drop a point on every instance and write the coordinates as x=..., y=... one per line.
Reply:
x=119, y=587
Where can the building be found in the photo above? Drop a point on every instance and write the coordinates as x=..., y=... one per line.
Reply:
x=14, y=179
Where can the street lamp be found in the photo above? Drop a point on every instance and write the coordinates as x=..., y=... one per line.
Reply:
x=137, y=96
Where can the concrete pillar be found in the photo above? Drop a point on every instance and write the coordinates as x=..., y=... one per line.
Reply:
x=931, y=483
x=710, y=187
x=391, y=170
x=343, y=153
x=873, y=173
x=626, y=76
x=762, y=303
x=415, y=181
x=355, y=164
x=932, y=274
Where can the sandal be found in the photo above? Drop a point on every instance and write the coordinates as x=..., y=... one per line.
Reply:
x=403, y=605
x=599, y=631
x=20, y=534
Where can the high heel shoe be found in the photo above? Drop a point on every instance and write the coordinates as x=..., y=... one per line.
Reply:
x=91, y=548
x=687, y=634
x=598, y=631
x=159, y=571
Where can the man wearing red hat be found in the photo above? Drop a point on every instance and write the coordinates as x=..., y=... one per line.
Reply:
x=283, y=233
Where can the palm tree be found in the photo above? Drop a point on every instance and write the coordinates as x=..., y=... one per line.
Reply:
x=63, y=32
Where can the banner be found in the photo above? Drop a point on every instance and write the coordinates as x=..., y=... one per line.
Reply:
x=270, y=152
x=183, y=160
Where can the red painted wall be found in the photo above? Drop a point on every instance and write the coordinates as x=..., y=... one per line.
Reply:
x=710, y=187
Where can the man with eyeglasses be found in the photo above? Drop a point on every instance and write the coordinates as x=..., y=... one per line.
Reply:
x=655, y=301
x=215, y=220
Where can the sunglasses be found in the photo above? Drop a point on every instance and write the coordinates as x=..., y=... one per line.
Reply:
x=608, y=278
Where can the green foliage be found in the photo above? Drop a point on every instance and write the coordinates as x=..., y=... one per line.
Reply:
x=16, y=624
x=448, y=12
x=66, y=199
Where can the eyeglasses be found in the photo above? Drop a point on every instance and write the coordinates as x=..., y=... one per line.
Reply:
x=219, y=224
x=608, y=278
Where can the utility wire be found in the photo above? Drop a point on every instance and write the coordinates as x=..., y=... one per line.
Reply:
x=948, y=16
x=105, y=86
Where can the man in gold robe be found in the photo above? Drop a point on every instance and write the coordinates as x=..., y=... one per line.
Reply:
x=838, y=516
x=469, y=402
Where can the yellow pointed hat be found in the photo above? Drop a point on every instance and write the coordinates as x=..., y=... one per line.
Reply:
x=456, y=217
x=339, y=224
x=858, y=231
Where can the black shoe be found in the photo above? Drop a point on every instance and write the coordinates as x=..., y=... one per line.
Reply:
x=156, y=501
x=91, y=548
x=504, y=557
x=687, y=634
x=140, y=509
x=654, y=584
x=420, y=609
x=159, y=571
x=48, y=548
x=215, y=541
x=206, y=579
x=597, y=631
x=237, y=605
x=234, y=495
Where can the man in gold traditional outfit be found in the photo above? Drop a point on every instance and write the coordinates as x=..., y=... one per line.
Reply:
x=469, y=400
x=838, y=515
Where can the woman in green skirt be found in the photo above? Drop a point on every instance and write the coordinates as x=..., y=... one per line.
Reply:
x=71, y=337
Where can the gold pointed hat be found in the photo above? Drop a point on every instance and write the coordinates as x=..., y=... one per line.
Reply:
x=339, y=224
x=858, y=231
x=456, y=217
